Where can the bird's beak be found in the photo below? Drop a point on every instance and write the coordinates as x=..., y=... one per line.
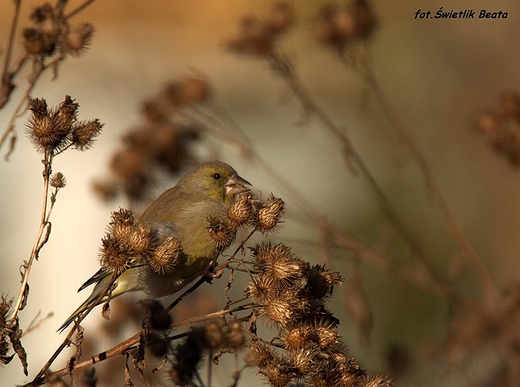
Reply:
x=236, y=185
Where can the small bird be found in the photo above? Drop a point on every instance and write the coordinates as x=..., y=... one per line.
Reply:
x=182, y=212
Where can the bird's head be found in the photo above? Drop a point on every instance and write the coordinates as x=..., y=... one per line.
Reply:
x=216, y=181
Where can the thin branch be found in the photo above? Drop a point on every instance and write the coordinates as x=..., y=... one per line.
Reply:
x=79, y=9
x=47, y=164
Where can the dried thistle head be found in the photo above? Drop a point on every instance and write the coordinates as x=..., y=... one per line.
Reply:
x=84, y=133
x=65, y=116
x=187, y=359
x=260, y=289
x=158, y=317
x=5, y=307
x=221, y=232
x=166, y=256
x=42, y=13
x=241, y=211
x=257, y=36
x=338, y=27
x=276, y=369
x=128, y=164
x=76, y=40
x=319, y=333
x=142, y=239
x=261, y=355
x=157, y=344
x=234, y=337
x=281, y=265
x=121, y=224
x=57, y=129
x=212, y=334
x=33, y=41
x=280, y=17
x=40, y=126
x=114, y=256
x=321, y=282
x=58, y=180
x=269, y=215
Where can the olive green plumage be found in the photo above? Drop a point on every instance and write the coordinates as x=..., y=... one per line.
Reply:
x=182, y=211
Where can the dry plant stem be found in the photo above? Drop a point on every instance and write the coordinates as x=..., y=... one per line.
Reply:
x=79, y=9
x=352, y=157
x=41, y=236
x=10, y=40
x=130, y=343
x=483, y=276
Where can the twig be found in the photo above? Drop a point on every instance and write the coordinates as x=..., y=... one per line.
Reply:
x=44, y=220
x=79, y=9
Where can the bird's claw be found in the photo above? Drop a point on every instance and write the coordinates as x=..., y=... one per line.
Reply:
x=211, y=273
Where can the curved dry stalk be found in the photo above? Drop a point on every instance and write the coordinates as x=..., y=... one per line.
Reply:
x=283, y=66
x=41, y=236
x=469, y=253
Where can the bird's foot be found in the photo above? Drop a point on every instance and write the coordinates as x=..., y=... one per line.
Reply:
x=210, y=271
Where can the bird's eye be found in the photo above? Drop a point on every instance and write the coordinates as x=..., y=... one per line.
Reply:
x=216, y=176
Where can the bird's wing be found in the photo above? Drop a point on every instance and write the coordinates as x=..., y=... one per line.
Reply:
x=101, y=273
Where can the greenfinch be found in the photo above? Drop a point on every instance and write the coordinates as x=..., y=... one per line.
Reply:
x=181, y=212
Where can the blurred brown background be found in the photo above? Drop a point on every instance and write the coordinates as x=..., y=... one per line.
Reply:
x=439, y=74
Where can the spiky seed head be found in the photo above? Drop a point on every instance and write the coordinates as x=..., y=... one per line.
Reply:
x=241, y=211
x=159, y=318
x=142, y=239
x=270, y=215
x=213, y=336
x=114, y=256
x=84, y=133
x=221, y=232
x=122, y=224
x=58, y=180
x=166, y=256
x=234, y=336
x=77, y=39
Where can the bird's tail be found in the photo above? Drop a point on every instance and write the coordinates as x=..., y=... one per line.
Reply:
x=100, y=294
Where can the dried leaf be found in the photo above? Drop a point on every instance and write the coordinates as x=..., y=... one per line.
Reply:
x=105, y=311
x=128, y=378
x=15, y=335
